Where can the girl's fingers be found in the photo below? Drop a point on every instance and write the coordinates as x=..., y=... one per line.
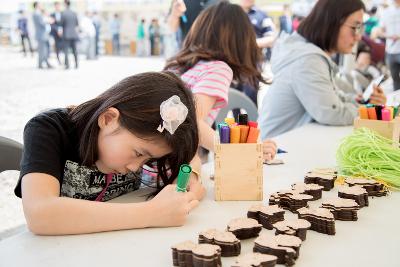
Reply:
x=268, y=156
x=190, y=196
x=193, y=204
x=269, y=151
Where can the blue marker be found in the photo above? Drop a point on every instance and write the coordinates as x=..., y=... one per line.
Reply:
x=184, y=18
x=281, y=151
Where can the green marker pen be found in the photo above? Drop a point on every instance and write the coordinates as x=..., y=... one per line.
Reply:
x=183, y=177
x=395, y=112
x=219, y=126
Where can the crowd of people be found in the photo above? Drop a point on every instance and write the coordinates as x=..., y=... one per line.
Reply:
x=61, y=28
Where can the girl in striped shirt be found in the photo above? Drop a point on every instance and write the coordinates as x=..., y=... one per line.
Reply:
x=219, y=48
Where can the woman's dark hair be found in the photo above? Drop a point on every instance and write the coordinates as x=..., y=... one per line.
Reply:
x=138, y=99
x=321, y=27
x=222, y=32
x=373, y=11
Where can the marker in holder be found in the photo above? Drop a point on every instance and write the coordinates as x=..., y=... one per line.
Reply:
x=183, y=177
x=378, y=110
x=363, y=112
x=235, y=134
x=243, y=119
x=371, y=113
x=229, y=121
x=224, y=134
x=238, y=164
x=244, y=132
x=253, y=135
x=252, y=124
x=391, y=112
x=386, y=116
x=220, y=125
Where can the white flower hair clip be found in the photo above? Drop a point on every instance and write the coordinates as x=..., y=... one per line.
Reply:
x=173, y=112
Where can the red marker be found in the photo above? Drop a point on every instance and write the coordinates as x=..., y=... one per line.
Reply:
x=253, y=124
x=253, y=135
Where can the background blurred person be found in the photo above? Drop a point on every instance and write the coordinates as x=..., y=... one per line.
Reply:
x=23, y=32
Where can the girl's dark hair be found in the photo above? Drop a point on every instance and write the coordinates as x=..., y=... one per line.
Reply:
x=222, y=32
x=138, y=99
x=321, y=27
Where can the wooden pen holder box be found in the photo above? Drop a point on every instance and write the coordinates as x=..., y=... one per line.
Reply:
x=388, y=129
x=238, y=171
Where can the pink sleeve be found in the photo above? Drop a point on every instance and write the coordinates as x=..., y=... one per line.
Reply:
x=215, y=81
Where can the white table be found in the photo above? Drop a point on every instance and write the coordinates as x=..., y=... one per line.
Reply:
x=373, y=240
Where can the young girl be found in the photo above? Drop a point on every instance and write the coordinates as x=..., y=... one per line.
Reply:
x=95, y=152
x=220, y=47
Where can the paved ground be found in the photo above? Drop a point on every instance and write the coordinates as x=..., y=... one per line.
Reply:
x=25, y=91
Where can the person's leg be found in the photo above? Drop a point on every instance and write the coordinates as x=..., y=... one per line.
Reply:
x=57, y=43
x=23, y=44
x=75, y=52
x=86, y=45
x=29, y=43
x=66, y=47
x=41, y=53
x=97, y=43
x=92, y=50
x=151, y=46
x=114, y=44
x=47, y=50
x=47, y=53
x=118, y=45
x=140, y=48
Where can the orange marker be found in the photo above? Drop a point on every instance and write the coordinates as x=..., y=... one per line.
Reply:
x=229, y=121
x=372, y=113
x=363, y=112
x=391, y=112
x=253, y=135
x=244, y=132
x=235, y=134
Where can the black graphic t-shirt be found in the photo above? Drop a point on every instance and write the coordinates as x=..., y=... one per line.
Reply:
x=51, y=146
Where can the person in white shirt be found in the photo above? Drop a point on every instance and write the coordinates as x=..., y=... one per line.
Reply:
x=89, y=35
x=390, y=26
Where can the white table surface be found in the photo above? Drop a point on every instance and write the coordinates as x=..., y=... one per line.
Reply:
x=373, y=240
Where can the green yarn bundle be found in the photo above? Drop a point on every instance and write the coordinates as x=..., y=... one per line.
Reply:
x=370, y=155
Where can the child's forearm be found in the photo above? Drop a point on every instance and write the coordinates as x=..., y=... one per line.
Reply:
x=61, y=215
x=206, y=135
x=195, y=183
